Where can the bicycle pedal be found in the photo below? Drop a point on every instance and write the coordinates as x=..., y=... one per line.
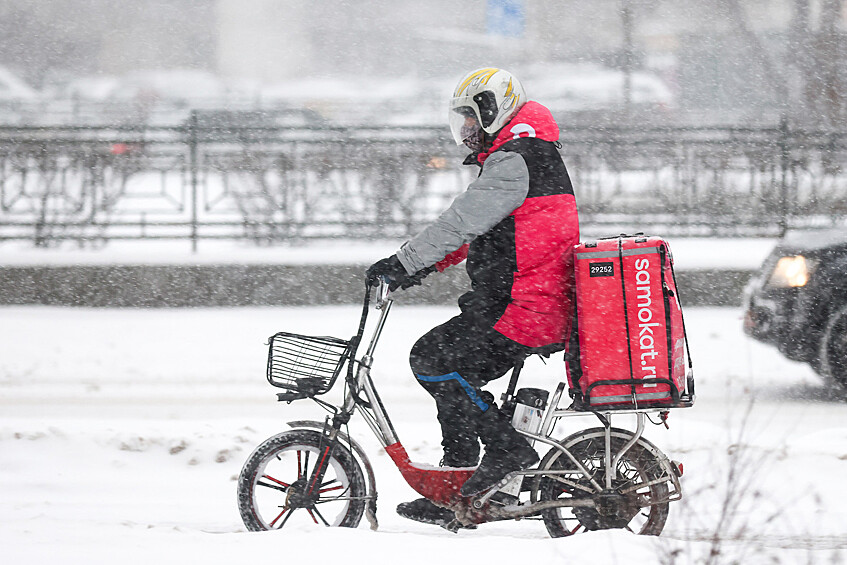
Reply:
x=455, y=525
x=452, y=526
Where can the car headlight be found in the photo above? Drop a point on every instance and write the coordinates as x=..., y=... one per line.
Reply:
x=791, y=271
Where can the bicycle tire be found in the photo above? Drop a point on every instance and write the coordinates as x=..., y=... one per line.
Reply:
x=275, y=476
x=637, y=512
x=831, y=357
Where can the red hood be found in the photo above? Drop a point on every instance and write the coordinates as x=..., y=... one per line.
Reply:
x=532, y=120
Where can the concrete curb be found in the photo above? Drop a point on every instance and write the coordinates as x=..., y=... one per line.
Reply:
x=163, y=286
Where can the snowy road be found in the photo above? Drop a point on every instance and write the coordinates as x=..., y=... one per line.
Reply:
x=121, y=433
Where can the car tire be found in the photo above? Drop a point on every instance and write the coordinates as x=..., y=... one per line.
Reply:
x=832, y=353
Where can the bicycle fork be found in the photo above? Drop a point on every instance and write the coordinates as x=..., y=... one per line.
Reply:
x=374, y=414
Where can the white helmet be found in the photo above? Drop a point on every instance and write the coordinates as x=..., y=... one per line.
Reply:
x=492, y=96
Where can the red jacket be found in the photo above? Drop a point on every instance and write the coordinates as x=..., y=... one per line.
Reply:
x=521, y=269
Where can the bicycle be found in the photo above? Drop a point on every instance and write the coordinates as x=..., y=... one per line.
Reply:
x=598, y=478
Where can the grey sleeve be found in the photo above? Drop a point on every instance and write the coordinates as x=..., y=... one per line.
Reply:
x=500, y=188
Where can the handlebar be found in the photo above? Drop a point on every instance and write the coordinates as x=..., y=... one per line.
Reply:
x=382, y=292
x=383, y=302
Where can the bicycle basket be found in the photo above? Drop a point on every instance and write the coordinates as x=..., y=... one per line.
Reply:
x=305, y=365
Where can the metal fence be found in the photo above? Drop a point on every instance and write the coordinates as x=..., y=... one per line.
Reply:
x=207, y=180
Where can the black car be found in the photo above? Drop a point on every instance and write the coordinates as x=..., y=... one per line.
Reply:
x=798, y=301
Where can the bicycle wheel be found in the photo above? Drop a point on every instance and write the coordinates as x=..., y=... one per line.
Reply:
x=274, y=489
x=633, y=503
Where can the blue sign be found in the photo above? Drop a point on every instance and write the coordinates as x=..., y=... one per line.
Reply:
x=506, y=18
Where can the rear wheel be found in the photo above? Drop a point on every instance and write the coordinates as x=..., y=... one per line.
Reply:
x=275, y=487
x=833, y=348
x=632, y=504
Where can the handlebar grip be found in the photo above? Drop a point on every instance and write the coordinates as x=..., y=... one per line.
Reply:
x=382, y=291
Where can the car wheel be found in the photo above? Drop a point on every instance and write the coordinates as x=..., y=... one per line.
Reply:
x=833, y=347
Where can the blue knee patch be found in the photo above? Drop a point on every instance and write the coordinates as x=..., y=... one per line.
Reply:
x=454, y=376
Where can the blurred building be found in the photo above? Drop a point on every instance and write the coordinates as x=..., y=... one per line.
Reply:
x=715, y=54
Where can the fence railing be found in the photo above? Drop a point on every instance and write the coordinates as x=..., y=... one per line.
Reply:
x=210, y=181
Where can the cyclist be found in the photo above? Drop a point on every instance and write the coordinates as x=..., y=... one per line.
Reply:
x=516, y=225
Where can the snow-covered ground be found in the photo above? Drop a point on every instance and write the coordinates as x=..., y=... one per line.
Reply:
x=122, y=433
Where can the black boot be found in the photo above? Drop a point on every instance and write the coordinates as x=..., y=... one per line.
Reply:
x=460, y=450
x=505, y=451
x=424, y=510
x=458, y=432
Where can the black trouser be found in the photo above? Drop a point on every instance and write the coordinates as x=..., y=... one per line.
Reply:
x=452, y=361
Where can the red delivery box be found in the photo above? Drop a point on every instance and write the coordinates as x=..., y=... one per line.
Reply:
x=632, y=343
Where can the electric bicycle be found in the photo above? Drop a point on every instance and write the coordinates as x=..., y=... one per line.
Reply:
x=598, y=478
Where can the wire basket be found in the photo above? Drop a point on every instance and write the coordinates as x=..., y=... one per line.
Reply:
x=305, y=365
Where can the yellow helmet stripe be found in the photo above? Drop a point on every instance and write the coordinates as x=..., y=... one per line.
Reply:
x=510, y=98
x=482, y=76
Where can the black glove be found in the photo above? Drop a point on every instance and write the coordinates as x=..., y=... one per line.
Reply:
x=391, y=269
x=414, y=280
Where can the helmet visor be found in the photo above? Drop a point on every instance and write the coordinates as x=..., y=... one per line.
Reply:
x=463, y=123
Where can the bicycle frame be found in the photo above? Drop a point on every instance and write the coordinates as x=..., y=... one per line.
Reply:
x=441, y=484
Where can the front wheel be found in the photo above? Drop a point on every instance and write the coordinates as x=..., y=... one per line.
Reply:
x=276, y=487
x=833, y=348
x=633, y=503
